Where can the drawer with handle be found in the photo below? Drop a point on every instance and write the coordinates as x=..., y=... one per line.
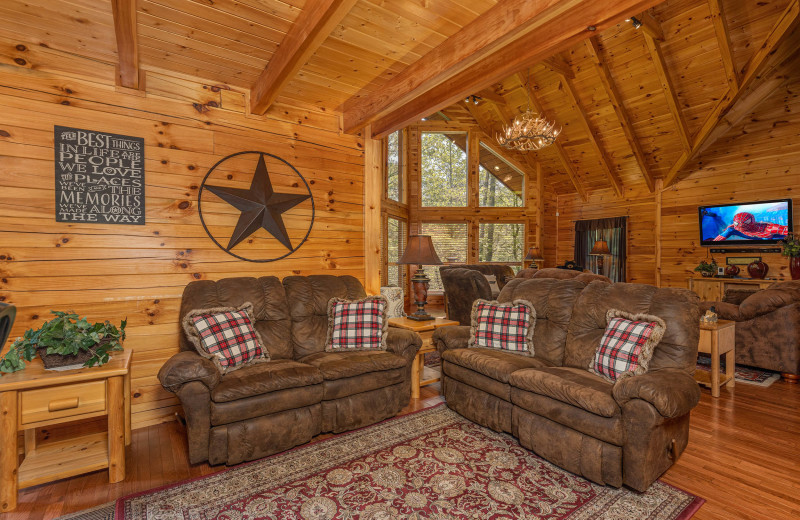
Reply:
x=56, y=402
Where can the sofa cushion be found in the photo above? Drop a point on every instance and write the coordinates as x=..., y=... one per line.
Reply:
x=356, y=324
x=338, y=388
x=264, y=378
x=503, y=326
x=569, y=385
x=677, y=307
x=627, y=344
x=339, y=365
x=308, y=298
x=496, y=364
x=553, y=301
x=226, y=336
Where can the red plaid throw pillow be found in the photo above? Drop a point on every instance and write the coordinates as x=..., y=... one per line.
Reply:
x=504, y=326
x=627, y=344
x=226, y=336
x=357, y=325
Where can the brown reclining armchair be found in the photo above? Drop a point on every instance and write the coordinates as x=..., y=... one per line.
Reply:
x=465, y=283
x=767, y=326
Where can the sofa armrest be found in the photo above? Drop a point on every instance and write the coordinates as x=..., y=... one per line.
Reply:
x=724, y=310
x=404, y=343
x=445, y=338
x=671, y=391
x=188, y=366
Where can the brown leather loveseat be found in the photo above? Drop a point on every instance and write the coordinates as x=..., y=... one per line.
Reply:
x=767, y=326
x=302, y=390
x=627, y=433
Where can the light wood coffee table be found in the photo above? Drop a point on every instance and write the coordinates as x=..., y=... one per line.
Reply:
x=718, y=339
x=420, y=374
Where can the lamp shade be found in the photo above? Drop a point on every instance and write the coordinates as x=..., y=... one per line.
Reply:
x=534, y=253
x=420, y=251
x=600, y=248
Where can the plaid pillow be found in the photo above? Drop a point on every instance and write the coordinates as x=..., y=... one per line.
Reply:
x=504, y=326
x=226, y=336
x=357, y=325
x=627, y=344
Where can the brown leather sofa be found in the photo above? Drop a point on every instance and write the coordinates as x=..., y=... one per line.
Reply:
x=302, y=391
x=767, y=326
x=465, y=283
x=562, y=274
x=624, y=433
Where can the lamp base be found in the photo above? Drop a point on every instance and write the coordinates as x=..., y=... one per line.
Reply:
x=420, y=317
x=420, y=283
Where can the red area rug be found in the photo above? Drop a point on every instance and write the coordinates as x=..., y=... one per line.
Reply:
x=742, y=374
x=431, y=464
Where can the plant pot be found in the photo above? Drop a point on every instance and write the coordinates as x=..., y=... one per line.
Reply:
x=52, y=361
x=758, y=270
x=706, y=274
x=794, y=267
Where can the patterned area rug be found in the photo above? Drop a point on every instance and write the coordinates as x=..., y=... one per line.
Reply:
x=430, y=464
x=743, y=374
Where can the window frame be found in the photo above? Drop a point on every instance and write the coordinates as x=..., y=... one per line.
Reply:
x=467, y=173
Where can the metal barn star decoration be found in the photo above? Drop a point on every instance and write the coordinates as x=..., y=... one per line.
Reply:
x=260, y=205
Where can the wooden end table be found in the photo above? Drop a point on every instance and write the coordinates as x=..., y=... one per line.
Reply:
x=35, y=397
x=718, y=339
x=421, y=375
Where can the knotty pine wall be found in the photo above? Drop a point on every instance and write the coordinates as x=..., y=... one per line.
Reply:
x=139, y=272
x=757, y=160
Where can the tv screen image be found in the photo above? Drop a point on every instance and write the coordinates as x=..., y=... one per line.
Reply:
x=763, y=222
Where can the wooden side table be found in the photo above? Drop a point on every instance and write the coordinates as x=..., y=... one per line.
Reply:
x=420, y=375
x=717, y=339
x=36, y=397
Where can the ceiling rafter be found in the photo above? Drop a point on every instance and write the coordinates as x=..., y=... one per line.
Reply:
x=724, y=42
x=507, y=38
x=591, y=132
x=559, y=65
x=124, y=12
x=314, y=24
x=559, y=149
x=657, y=55
x=615, y=97
x=651, y=26
x=762, y=74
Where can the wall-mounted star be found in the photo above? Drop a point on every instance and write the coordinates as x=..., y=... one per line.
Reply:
x=261, y=207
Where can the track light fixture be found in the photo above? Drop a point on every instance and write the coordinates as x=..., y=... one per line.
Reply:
x=634, y=21
x=472, y=99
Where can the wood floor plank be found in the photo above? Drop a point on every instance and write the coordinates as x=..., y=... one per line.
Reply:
x=743, y=458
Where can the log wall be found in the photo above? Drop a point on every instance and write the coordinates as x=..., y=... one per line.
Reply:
x=758, y=160
x=138, y=272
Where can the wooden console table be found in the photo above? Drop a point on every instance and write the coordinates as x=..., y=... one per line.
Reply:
x=420, y=375
x=36, y=397
x=713, y=289
x=717, y=339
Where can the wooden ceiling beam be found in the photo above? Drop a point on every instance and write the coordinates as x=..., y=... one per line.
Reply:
x=768, y=68
x=314, y=24
x=601, y=67
x=124, y=12
x=509, y=37
x=592, y=133
x=654, y=47
x=559, y=65
x=724, y=42
x=651, y=26
x=562, y=156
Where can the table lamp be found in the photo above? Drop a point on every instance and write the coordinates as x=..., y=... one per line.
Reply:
x=600, y=249
x=420, y=251
x=534, y=256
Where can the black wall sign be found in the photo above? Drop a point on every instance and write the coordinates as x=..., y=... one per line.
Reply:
x=99, y=177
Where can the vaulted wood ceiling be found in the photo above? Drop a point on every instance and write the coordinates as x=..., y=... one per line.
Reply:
x=635, y=105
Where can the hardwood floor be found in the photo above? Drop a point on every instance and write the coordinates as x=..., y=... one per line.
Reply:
x=743, y=458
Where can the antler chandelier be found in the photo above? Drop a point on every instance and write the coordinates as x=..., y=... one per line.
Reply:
x=528, y=131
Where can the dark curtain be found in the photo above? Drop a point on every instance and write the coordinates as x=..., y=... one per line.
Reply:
x=614, y=231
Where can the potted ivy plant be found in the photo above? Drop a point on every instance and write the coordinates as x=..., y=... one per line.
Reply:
x=706, y=269
x=790, y=246
x=66, y=340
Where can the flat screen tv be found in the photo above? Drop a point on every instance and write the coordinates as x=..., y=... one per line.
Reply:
x=746, y=223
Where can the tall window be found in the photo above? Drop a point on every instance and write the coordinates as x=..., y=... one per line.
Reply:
x=444, y=169
x=615, y=232
x=450, y=241
x=501, y=243
x=395, y=245
x=499, y=184
x=394, y=166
